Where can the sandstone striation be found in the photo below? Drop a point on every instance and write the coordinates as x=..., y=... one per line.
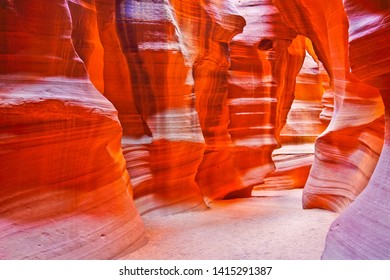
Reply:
x=65, y=191
x=207, y=29
x=168, y=156
x=363, y=230
x=109, y=109
x=265, y=59
x=349, y=148
x=295, y=157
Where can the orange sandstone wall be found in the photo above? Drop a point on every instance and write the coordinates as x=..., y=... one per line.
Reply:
x=169, y=153
x=294, y=158
x=349, y=148
x=174, y=100
x=184, y=72
x=207, y=29
x=362, y=231
x=265, y=59
x=65, y=191
x=189, y=98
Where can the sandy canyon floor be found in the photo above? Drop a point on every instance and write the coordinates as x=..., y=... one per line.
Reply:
x=271, y=225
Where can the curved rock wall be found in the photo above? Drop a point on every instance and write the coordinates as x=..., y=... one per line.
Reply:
x=294, y=158
x=207, y=29
x=198, y=94
x=228, y=157
x=265, y=59
x=349, y=148
x=65, y=191
x=168, y=155
x=363, y=230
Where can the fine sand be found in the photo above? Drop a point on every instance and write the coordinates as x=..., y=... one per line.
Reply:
x=271, y=226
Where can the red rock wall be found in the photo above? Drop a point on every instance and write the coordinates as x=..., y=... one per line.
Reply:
x=207, y=28
x=349, y=148
x=265, y=59
x=363, y=230
x=65, y=191
x=294, y=158
x=226, y=156
x=162, y=87
x=198, y=94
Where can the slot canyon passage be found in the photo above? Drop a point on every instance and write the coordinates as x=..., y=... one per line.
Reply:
x=182, y=129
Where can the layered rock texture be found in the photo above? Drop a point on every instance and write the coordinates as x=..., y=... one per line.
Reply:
x=65, y=191
x=348, y=150
x=304, y=123
x=112, y=109
x=265, y=59
x=163, y=163
x=363, y=230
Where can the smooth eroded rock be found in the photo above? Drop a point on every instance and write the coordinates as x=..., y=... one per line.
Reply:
x=349, y=148
x=363, y=230
x=65, y=191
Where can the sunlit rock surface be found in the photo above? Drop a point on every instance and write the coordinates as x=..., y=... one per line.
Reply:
x=196, y=101
x=168, y=156
x=207, y=29
x=363, y=230
x=294, y=158
x=348, y=150
x=65, y=191
x=265, y=59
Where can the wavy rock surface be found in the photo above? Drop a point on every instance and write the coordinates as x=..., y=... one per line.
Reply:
x=228, y=158
x=206, y=29
x=294, y=159
x=65, y=192
x=204, y=93
x=303, y=123
x=363, y=230
x=265, y=60
x=349, y=148
x=162, y=88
